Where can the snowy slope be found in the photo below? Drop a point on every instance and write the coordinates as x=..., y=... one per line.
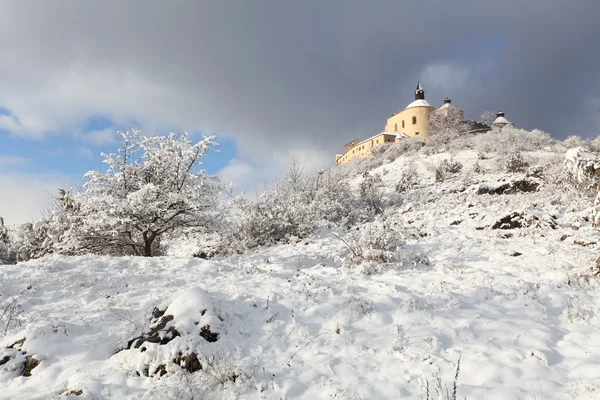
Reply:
x=517, y=306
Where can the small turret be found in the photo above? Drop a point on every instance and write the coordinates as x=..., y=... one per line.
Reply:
x=447, y=101
x=419, y=92
x=500, y=120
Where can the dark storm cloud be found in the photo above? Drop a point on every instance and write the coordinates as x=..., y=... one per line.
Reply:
x=319, y=73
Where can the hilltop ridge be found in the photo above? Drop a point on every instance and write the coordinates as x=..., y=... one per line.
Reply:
x=480, y=250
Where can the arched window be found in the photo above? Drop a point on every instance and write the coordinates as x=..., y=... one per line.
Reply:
x=396, y=127
x=414, y=120
x=403, y=123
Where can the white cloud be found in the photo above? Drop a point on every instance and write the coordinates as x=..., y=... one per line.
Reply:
x=25, y=197
x=250, y=174
x=65, y=103
x=100, y=137
x=86, y=152
x=14, y=161
x=237, y=172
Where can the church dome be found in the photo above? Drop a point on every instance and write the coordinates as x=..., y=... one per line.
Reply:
x=500, y=119
x=419, y=103
x=447, y=104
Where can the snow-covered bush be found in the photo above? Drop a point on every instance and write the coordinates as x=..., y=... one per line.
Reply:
x=595, y=144
x=515, y=163
x=583, y=169
x=4, y=243
x=444, y=128
x=408, y=178
x=452, y=166
x=279, y=215
x=298, y=205
x=445, y=168
x=191, y=244
x=290, y=209
x=477, y=168
x=371, y=192
x=509, y=139
x=56, y=232
x=30, y=241
x=574, y=141
x=391, y=151
x=487, y=117
x=378, y=241
x=332, y=201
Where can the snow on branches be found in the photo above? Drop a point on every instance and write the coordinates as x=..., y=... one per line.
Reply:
x=584, y=167
x=153, y=186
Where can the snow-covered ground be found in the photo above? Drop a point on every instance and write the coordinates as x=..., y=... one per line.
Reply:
x=516, y=306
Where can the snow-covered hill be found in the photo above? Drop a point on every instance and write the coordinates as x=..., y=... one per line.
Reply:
x=494, y=270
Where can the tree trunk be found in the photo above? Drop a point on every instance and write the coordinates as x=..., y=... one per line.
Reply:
x=148, y=240
x=147, y=248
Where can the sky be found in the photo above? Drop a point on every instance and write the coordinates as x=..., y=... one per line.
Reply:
x=274, y=79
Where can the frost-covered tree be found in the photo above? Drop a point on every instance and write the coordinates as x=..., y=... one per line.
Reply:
x=153, y=186
x=487, y=117
x=371, y=190
x=574, y=141
x=510, y=139
x=290, y=209
x=583, y=168
x=4, y=242
x=444, y=127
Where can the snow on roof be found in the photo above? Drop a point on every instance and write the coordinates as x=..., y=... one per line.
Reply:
x=447, y=105
x=419, y=103
x=501, y=120
x=373, y=137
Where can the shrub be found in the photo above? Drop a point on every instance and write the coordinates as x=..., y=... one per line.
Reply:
x=452, y=166
x=280, y=214
x=4, y=243
x=408, y=179
x=509, y=139
x=371, y=192
x=444, y=128
x=580, y=171
x=574, y=141
x=404, y=146
x=442, y=391
x=515, y=163
x=291, y=209
x=377, y=241
x=445, y=168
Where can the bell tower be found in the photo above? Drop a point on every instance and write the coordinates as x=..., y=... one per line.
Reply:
x=419, y=92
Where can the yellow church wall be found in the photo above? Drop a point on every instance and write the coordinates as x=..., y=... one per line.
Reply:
x=413, y=121
x=419, y=129
x=363, y=149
